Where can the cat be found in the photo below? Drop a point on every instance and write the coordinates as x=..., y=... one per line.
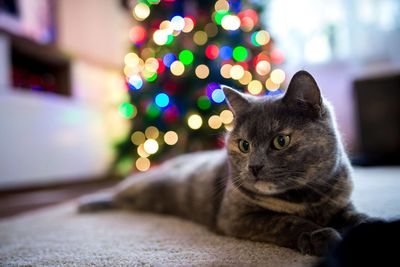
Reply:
x=283, y=177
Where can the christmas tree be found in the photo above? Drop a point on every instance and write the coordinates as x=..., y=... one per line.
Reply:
x=182, y=51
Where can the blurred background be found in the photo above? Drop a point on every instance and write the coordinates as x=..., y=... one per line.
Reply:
x=94, y=90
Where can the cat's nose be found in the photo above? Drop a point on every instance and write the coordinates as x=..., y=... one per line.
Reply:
x=255, y=169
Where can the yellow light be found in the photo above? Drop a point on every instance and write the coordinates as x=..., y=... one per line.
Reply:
x=214, y=122
x=254, y=87
x=130, y=71
x=189, y=25
x=142, y=164
x=263, y=67
x=160, y=37
x=138, y=138
x=131, y=59
x=141, y=11
x=211, y=29
x=202, y=71
x=226, y=116
x=226, y=71
x=278, y=76
x=171, y=138
x=167, y=26
x=147, y=52
x=247, y=77
x=221, y=5
x=230, y=22
x=195, y=121
x=177, y=68
x=141, y=152
x=151, y=132
x=151, y=64
x=262, y=37
x=237, y=72
x=150, y=146
x=229, y=127
x=200, y=37
x=270, y=85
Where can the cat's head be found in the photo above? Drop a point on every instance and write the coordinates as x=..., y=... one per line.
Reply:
x=280, y=143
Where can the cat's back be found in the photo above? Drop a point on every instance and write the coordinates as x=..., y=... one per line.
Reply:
x=190, y=185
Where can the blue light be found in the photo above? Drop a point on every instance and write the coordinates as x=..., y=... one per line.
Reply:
x=218, y=96
x=135, y=82
x=276, y=92
x=225, y=52
x=162, y=100
x=168, y=59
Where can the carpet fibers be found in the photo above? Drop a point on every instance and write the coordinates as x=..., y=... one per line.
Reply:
x=58, y=236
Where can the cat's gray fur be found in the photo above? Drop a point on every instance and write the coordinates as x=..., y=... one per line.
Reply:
x=300, y=197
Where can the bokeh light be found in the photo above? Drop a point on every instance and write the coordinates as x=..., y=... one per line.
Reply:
x=240, y=53
x=203, y=102
x=230, y=22
x=162, y=100
x=170, y=138
x=200, y=38
x=151, y=132
x=211, y=29
x=226, y=71
x=160, y=37
x=246, y=79
x=189, y=24
x=270, y=85
x=168, y=59
x=141, y=152
x=214, y=122
x=278, y=76
x=202, y=71
x=254, y=87
x=226, y=116
x=150, y=146
x=186, y=57
x=225, y=52
x=178, y=23
x=135, y=82
x=141, y=11
x=263, y=67
x=262, y=37
x=212, y=52
x=221, y=5
x=177, y=68
x=127, y=110
x=142, y=164
x=218, y=96
x=137, y=34
x=138, y=138
x=195, y=121
x=237, y=72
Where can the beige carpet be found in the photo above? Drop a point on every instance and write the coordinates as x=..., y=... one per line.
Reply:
x=58, y=236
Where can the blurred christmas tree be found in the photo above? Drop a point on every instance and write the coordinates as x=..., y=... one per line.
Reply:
x=181, y=52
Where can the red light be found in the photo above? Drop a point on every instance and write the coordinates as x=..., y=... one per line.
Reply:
x=249, y=13
x=277, y=56
x=137, y=34
x=212, y=51
x=161, y=66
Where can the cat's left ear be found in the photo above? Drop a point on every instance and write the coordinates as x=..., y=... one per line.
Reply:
x=303, y=91
x=237, y=101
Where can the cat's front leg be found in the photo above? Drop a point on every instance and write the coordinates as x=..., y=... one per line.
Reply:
x=284, y=230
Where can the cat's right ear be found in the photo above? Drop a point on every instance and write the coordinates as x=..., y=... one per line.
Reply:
x=236, y=100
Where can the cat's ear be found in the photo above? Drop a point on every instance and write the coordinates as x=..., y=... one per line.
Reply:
x=236, y=100
x=303, y=91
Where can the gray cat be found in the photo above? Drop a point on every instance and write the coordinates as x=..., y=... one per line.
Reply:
x=283, y=178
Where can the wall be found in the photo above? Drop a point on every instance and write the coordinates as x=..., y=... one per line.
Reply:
x=50, y=138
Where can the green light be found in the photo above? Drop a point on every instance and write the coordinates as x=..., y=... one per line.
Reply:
x=152, y=78
x=253, y=39
x=240, y=53
x=203, y=102
x=153, y=111
x=169, y=40
x=218, y=15
x=153, y=2
x=186, y=57
x=127, y=110
x=124, y=166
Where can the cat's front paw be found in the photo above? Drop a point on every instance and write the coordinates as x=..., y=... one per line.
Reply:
x=318, y=242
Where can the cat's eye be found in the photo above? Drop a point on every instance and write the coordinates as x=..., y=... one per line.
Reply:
x=244, y=146
x=281, y=141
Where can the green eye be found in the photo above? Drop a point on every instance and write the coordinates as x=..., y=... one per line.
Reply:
x=244, y=146
x=281, y=141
